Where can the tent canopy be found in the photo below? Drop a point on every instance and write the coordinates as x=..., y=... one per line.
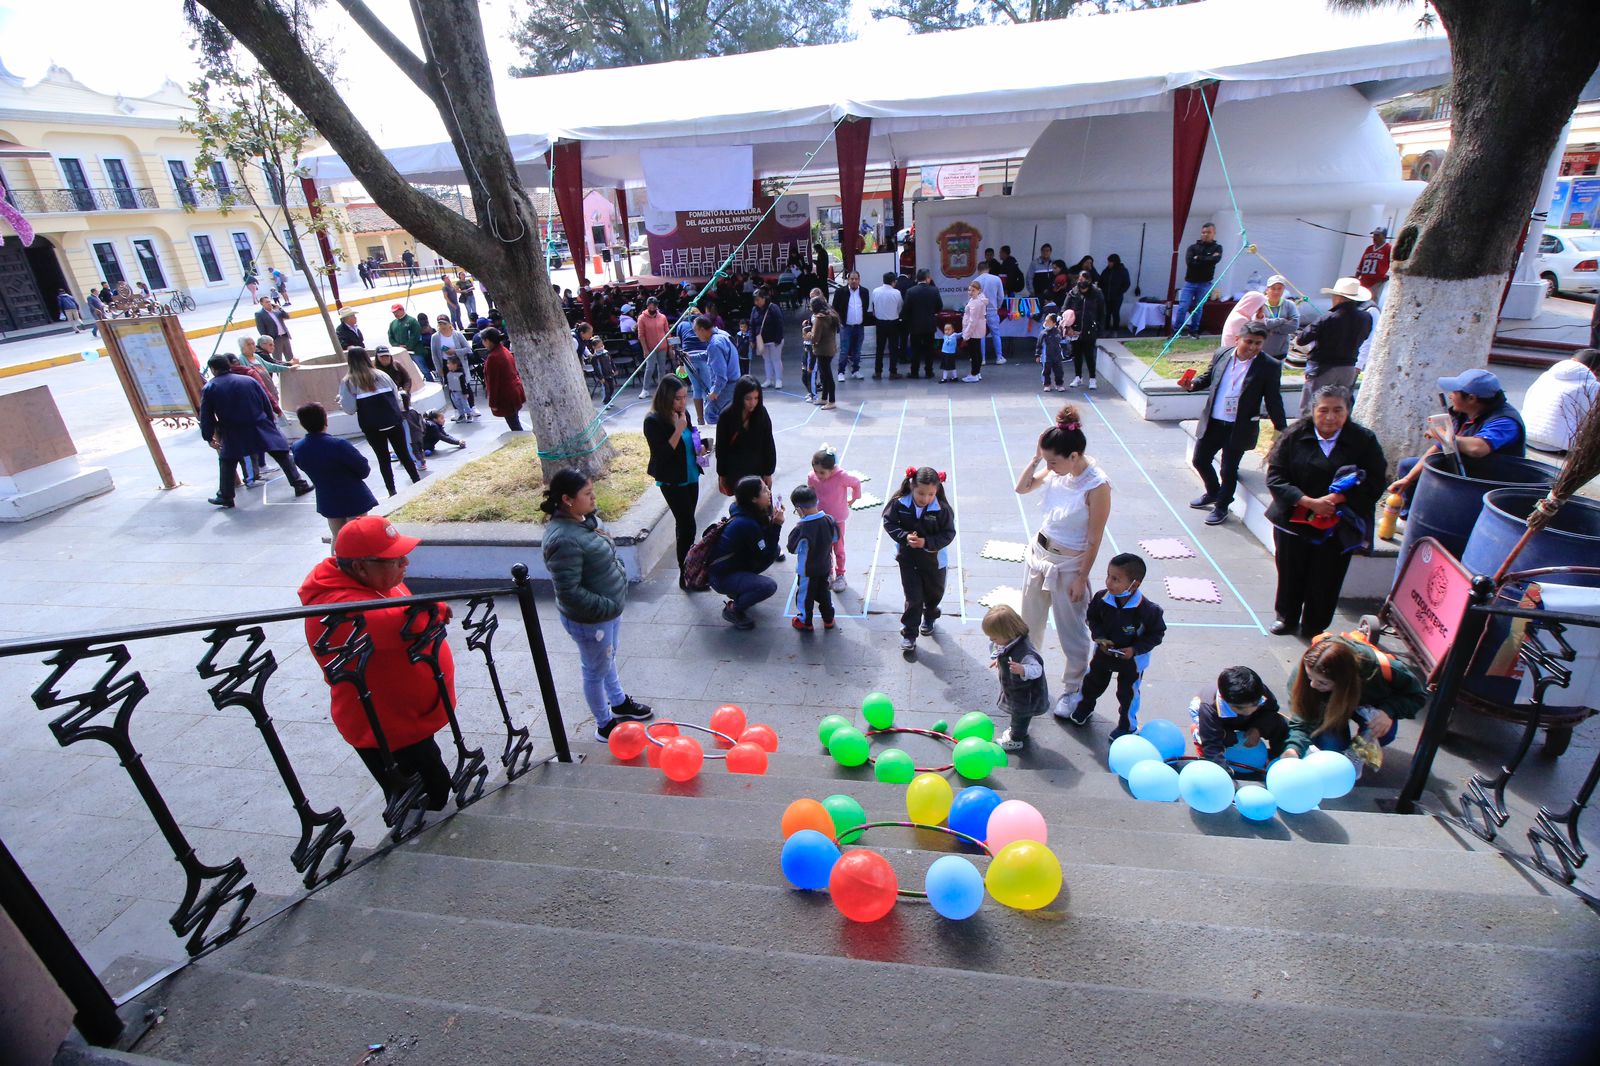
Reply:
x=971, y=94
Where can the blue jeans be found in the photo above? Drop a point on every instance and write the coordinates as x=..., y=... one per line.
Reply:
x=1339, y=739
x=850, y=338
x=597, y=664
x=1191, y=293
x=744, y=588
x=991, y=337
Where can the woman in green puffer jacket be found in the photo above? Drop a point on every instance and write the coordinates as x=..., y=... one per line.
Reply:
x=1343, y=681
x=591, y=588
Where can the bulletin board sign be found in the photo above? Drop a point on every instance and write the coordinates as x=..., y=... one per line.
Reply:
x=158, y=374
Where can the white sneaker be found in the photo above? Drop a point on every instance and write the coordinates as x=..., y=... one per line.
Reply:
x=837, y=584
x=1067, y=704
x=766, y=384
x=777, y=384
x=841, y=375
x=999, y=360
x=908, y=643
x=1093, y=385
x=857, y=375
x=644, y=394
x=1075, y=383
x=970, y=378
x=1009, y=743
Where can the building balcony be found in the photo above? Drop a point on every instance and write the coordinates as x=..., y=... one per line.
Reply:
x=76, y=201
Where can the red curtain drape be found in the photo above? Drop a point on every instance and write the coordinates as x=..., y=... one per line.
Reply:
x=1189, y=131
x=568, y=163
x=897, y=197
x=850, y=141
x=622, y=213
x=314, y=209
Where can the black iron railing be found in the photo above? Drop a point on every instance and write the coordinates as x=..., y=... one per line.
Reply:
x=62, y=201
x=1555, y=847
x=96, y=697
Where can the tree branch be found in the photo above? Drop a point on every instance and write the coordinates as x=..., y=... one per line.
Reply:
x=410, y=64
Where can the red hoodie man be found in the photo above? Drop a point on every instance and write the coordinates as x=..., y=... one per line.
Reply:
x=369, y=563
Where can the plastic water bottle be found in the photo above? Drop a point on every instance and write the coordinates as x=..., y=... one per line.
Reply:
x=1390, y=515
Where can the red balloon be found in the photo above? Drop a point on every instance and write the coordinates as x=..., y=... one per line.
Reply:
x=627, y=741
x=863, y=885
x=747, y=759
x=729, y=719
x=681, y=758
x=662, y=731
x=762, y=736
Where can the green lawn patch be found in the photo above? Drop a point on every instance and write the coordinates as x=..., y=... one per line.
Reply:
x=1184, y=353
x=506, y=486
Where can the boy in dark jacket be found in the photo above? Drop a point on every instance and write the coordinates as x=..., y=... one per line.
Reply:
x=335, y=467
x=1125, y=627
x=1240, y=709
x=811, y=544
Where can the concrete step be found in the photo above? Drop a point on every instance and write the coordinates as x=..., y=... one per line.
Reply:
x=1093, y=800
x=564, y=858
x=825, y=1003
x=1285, y=859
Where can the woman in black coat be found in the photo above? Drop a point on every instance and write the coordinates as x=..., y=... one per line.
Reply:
x=744, y=438
x=1316, y=529
x=1114, y=282
x=674, y=459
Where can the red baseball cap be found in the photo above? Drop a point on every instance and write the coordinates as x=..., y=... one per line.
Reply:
x=397, y=307
x=372, y=537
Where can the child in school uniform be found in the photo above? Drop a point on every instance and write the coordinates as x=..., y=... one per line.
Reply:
x=458, y=383
x=1024, y=693
x=1051, y=358
x=949, y=345
x=836, y=490
x=922, y=524
x=1125, y=627
x=811, y=543
x=1241, y=710
x=741, y=343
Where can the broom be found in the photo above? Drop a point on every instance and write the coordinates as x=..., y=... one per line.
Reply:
x=1583, y=463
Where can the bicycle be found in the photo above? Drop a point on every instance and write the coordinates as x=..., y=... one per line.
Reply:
x=179, y=300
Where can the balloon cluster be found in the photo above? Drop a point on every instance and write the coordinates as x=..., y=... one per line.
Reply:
x=975, y=754
x=1294, y=786
x=1023, y=872
x=680, y=758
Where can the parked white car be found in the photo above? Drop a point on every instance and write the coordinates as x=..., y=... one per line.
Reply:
x=1569, y=261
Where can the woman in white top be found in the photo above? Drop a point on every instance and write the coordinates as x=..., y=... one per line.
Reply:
x=1559, y=401
x=1075, y=504
x=375, y=401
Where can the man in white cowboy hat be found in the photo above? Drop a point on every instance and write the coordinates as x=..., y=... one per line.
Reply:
x=1334, y=340
x=1372, y=272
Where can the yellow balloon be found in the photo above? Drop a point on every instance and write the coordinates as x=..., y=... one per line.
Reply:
x=928, y=799
x=1025, y=875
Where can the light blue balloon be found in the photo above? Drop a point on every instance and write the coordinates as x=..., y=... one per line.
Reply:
x=1206, y=787
x=808, y=859
x=1296, y=786
x=1129, y=751
x=1255, y=803
x=970, y=812
x=1166, y=736
x=1153, y=780
x=1239, y=755
x=954, y=887
x=1335, y=770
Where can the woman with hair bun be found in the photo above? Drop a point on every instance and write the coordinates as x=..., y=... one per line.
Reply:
x=1074, y=507
x=591, y=588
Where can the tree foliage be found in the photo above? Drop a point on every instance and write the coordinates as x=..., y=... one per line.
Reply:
x=932, y=16
x=558, y=36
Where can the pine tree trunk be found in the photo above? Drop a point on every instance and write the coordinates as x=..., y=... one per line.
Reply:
x=1518, y=68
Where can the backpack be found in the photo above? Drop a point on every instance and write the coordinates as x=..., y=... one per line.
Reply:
x=697, y=561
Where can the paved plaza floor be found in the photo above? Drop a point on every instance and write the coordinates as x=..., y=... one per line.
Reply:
x=140, y=555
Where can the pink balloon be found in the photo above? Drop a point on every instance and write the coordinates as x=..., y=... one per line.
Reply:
x=1015, y=820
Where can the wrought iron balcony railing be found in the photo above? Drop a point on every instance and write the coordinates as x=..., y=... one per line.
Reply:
x=68, y=201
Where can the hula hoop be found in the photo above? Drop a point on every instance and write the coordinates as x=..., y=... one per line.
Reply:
x=872, y=760
x=907, y=893
x=689, y=725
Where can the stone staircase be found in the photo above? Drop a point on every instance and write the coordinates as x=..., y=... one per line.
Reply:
x=598, y=913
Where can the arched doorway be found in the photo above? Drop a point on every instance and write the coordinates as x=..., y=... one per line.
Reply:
x=29, y=280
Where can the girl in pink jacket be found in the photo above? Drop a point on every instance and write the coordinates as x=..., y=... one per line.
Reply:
x=836, y=490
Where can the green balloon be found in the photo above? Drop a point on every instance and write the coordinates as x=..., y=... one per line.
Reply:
x=878, y=710
x=895, y=767
x=826, y=727
x=976, y=724
x=849, y=746
x=973, y=759
x=845, y=812
x=941, y=726
x=997, y=755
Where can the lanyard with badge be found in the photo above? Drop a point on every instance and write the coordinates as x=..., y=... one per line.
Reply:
x=1234, y=384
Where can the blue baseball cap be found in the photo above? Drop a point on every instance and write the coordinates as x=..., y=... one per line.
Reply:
x=1479, y=383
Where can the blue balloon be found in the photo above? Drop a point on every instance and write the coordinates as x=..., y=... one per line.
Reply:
x=1239, y=755
x=1296, y=786
x=954, y=887
x=1153, y=780
x=1206, y=786
x=1166, y=736
x=808, y=859
x=1255, y=803
x=970, y=812
x=1335, y=770
x=1129, y=751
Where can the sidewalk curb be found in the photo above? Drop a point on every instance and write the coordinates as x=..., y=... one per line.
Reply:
x=212, y=331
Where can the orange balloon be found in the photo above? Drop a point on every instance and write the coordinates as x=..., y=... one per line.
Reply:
x=729, y=719
x=627, y=741
x=807, y=814
x=747, y=759
x=763, y=736
x=681, y=758
x=663, y=731
x=863, y=885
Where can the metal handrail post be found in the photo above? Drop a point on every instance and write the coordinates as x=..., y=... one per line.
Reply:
x=541, y=662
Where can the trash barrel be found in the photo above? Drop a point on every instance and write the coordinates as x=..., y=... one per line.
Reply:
x=1446, y=504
